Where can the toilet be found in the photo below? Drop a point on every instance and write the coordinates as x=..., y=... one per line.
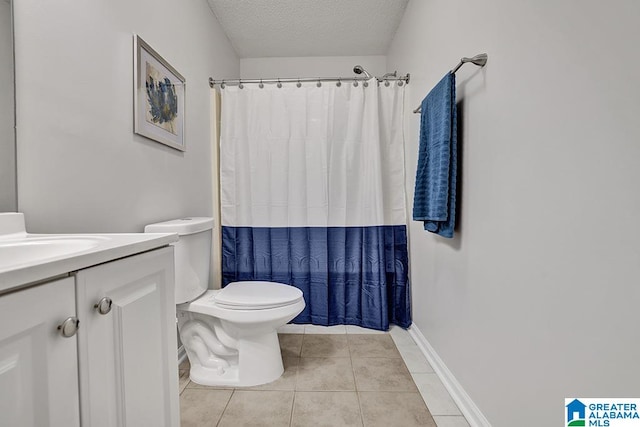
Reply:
x=230, y=335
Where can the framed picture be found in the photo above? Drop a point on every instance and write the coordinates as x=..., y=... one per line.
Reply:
x=158, y=97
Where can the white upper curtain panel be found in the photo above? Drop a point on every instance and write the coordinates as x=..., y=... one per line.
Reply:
x=329, y=156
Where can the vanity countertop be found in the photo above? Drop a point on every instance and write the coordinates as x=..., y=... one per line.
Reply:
x=19, y=267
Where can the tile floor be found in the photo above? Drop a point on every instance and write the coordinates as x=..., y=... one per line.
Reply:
x=335, y=376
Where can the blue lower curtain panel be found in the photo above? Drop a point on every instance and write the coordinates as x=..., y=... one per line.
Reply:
x=348, y=275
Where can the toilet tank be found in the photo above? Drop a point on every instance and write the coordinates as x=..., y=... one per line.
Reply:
x=192, y=254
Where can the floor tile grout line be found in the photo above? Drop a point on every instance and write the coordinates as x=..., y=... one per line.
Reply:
x=185, y=387
x=225, y=407
x=293, y=405
x=355, y=384
x=452, y=416
x=295, y=382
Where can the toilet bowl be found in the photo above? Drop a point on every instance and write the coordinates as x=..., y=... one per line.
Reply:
x=229, y=335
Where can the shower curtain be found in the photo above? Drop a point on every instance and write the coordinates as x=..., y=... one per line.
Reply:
x=312, y=195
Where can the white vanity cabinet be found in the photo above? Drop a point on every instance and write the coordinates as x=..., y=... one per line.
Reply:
x=127, y=342
x=38, y=365
x=87, y=329
x=96, y=348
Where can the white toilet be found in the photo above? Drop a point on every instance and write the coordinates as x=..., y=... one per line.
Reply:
x=229, y=334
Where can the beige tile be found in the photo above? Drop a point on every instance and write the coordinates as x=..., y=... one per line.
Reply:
x=315, y=329
x=288, y=379
x=325, y=374
x=326, y=409
x=382, y=374
x=325, y=346
x=290, y=328
x=209, y=387
x=385, y=409
x=450, y=421
x=201, y=408
x=372, y=346
x=435, y=395
x=351, y=329
x=290, y=344
x=414, y=359
x=183, y=379
x=400, y=336
x=258, y=408
x=185, y=365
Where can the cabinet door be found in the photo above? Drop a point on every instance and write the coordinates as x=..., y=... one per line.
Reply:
x=38, y=366
x=128, y=356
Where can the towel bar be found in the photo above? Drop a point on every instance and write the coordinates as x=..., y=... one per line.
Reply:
x=480, y=60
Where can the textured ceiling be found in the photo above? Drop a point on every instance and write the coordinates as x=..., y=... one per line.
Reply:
x=272, y=28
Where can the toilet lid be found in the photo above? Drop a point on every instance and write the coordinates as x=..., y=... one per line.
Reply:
x=257, y=295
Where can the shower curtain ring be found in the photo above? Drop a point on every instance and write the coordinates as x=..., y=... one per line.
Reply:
x=386, y=83
x=261, y=85
x=400, y=83
x=365, y=83
x=355, y=83
x=298, y=84
x=222, y=85
x=339, y=83
x=240, y=85
x=279, y=84
x=318, y=84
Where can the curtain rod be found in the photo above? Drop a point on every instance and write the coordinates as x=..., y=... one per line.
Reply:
x=480, y=60
x=391, y=76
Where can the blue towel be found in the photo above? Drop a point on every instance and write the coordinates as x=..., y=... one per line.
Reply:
x=434, y=200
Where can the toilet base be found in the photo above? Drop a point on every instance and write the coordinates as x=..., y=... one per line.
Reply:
x=259, y=362
x=237, y=348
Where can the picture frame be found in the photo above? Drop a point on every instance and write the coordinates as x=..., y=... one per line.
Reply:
x=158, y=97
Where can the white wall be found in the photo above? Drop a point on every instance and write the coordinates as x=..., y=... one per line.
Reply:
x=7, y=145
x=311, y=66
x=80, y=166
x=537, y=297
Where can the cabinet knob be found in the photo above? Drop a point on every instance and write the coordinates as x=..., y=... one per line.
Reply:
x=69, y=327
x=104, y=305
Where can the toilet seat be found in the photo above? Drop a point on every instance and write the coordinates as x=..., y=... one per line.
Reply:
x=206, y=304
x=255, y=295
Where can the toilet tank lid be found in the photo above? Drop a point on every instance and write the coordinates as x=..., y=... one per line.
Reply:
x=182, y=226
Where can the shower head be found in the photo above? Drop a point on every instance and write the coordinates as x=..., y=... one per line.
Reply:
x=359, y=70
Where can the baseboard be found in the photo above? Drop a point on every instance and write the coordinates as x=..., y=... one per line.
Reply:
x=182, y=355
x=471, y=412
